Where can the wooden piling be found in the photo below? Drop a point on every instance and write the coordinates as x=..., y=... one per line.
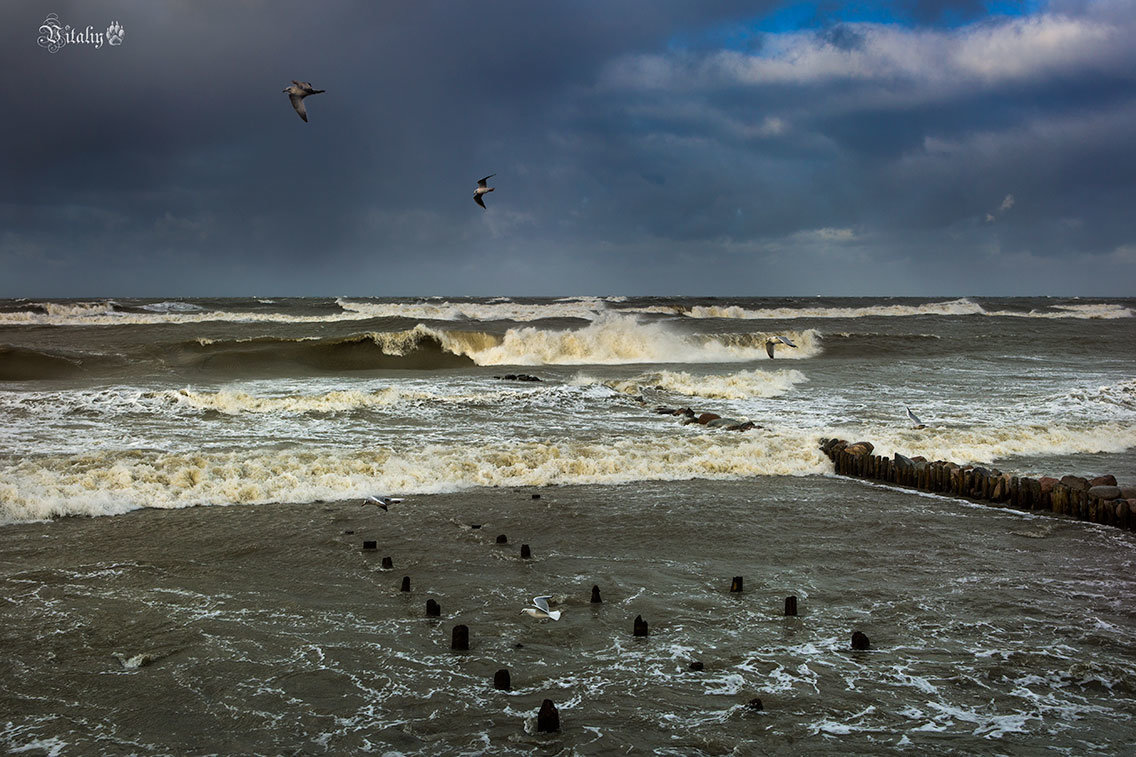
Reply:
x=459, y=639
x=548, y=719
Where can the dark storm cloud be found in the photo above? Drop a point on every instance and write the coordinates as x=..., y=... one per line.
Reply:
x=626, y=159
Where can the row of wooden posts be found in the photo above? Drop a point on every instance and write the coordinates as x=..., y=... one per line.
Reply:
x=1098, y=501
x=548, y=718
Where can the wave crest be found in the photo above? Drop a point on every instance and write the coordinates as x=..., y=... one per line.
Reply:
x=959, y=307
x=733, y=386
x=116, y=482
x=620, y=340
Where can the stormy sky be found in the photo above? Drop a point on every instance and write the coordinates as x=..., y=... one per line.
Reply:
x=700, y=147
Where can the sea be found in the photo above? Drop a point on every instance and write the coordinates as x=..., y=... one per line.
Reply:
x=189, y=565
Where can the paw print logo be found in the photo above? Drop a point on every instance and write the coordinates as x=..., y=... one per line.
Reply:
x=115, y=33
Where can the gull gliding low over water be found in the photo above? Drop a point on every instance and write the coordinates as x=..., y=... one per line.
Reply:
x=914, y=418
x=297, y=92
x=482, y=188
x=541, y=610
x=773, y=341
x=383, y=502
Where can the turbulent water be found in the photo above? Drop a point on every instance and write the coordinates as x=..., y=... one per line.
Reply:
x=177, y=628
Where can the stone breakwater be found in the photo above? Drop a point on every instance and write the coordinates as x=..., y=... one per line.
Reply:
x=1099, y=500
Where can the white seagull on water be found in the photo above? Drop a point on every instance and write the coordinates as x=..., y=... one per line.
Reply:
x=482, y=188
x=297, y=92
x=772, y=341
x=541, y=610
x=383, y=502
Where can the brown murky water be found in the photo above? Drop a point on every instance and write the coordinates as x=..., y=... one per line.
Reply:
x=268, y=630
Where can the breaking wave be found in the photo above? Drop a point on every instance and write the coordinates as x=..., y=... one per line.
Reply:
x=113, y=482
x=232, y=402
x=733, y=386
x=613, y=340
x=116, y=482
x=498, y=309
x=111, y=312
x=957, y=307
x=986, y=444
x=618, y=340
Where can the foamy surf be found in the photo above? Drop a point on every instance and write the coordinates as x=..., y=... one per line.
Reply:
x=115, y=482
x=498, y=309
x=960, y=307
x=115, y=313
x=616, y=340
x=112, y=482
x=736, y=386
x=987, y=444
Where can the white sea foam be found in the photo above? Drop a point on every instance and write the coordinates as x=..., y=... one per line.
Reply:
x=115, y=482
x=1120, y=395
x=105, y=312
x=609, y=340
x=495, y=310
x=172, y=307
x=738, y=386
x=233, y=402
x=959, y=307
x=987, y=444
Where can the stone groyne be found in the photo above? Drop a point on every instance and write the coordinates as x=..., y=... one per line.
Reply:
x=1099, y=500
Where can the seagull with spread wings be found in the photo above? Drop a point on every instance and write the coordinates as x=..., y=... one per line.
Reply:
x=297, y=92
x=482, y=188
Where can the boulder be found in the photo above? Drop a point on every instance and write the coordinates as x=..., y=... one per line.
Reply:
x=860, y=448
x=1047, y=484
x=742, y=426
x=903, y=462
x=1128, y=492
x=722, y=422
x=834, y=446
x=1105, y=492
x=1076, y=483
x=1106, y=480
x=707, y=417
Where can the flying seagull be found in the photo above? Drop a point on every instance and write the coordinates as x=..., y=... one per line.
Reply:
x=383, y=502
x=541, y=610
x=297, y=92
x=482, y=188
x=914, y=418
x=769, y=344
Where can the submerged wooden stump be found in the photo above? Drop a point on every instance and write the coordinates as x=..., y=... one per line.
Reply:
x=459, y=639
x=548, y=719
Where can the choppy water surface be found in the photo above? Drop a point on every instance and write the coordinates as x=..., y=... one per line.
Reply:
x=180, y=626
